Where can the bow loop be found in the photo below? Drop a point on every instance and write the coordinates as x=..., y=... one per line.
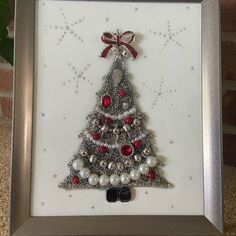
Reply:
x=116, y=40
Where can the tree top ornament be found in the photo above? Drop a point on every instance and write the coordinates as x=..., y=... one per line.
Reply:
x=116, y=150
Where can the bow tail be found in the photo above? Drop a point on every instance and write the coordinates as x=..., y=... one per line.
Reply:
x=131, y=49
x=105, y=51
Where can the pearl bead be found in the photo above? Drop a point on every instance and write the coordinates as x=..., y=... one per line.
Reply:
x=84, y=173
x=143, y=169
x=151, y=161
x=93, y=158
x=83, y=152
x=103, y=180
x=93, y=179
x=137, y=157
x=78, y=164
x=134, y=174
x=114, y=179
x=124, y=178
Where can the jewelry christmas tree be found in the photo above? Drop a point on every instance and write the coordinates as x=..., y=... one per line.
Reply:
x=116, y=149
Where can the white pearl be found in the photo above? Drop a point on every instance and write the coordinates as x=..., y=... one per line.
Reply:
x=124, y=178
x=151, y=161
x=120, y=117
x=78, y=164
x=84, y=173
x=126, y=113
x=103, y=180
x=114, y=179
x=93, y=179
x=143, y=168
x=134, y=174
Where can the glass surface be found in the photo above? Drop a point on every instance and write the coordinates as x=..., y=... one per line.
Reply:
x=167, y=78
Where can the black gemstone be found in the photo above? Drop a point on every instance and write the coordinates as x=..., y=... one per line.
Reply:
x=125, y=194
x=112, y=194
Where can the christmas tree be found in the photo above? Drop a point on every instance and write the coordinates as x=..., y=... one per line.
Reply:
x=116, y=149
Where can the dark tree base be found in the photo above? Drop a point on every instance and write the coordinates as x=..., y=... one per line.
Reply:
x=112, y=194
x=123, y=194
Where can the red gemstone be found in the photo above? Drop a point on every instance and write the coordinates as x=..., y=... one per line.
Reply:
x=122, y=93
x=106, y=101
x=126, y=150
x=76, y=180
x=107, y=120
x=129, y=120
x=96, y=136
x=137, y=143
x=103, y=149
x=151, y=175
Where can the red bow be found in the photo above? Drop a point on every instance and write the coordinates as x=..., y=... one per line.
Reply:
x=118, y=40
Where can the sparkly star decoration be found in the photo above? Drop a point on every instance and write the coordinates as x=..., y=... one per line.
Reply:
x=78, y=76
x=171, y=36
x=67, y=28
x=160, y=93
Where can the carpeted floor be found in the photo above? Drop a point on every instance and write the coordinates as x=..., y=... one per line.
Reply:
x=5, y=140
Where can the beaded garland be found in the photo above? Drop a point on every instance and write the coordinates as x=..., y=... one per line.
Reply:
x=116, y=150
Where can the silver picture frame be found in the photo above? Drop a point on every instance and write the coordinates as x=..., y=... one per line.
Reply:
x=22, y=223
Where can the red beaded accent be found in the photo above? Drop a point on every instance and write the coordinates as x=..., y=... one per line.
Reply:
x=103, y=149
x=96, y=136
x=137, y=143
x=126, y=150
x=129, y=120
x=76, y=180
x=151, y=175
x=122, y=93
x=107, y=120
x=106, y=101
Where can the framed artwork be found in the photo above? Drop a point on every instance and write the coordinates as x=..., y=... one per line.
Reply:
x=117, y=118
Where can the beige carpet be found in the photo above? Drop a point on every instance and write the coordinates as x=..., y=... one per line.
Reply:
x=5, y=137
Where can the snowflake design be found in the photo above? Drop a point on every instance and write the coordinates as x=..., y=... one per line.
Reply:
x=160, y=93
x=170, y=37
x=67, y=28
x=78, y=75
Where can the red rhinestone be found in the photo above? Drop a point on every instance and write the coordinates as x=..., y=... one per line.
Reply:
x=106, y=101
x=151, y=175
x=137, y=143
x=103, y=149
x=129, y=120
x=126, y=150
x=76, y=180
x=96, y=136
x=107, y=120
x=122, y=93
